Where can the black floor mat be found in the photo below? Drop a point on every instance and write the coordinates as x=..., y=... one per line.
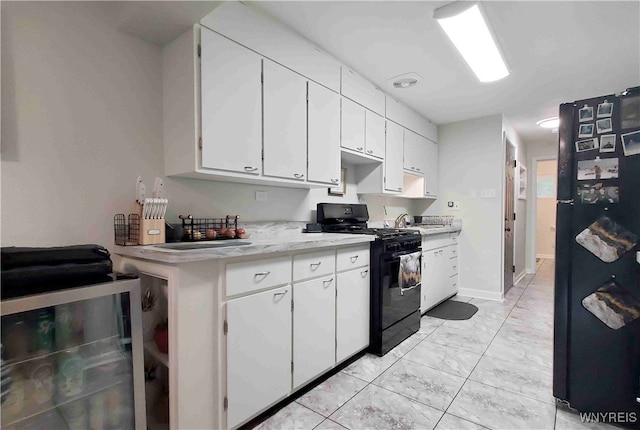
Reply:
x=453, y=310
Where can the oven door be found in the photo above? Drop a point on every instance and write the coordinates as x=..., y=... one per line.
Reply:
x=397, y=302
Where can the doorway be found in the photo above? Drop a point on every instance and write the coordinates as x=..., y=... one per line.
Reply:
x=545, y=214
x=509, y=215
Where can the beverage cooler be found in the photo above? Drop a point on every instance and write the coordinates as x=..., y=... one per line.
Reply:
x=73, y=359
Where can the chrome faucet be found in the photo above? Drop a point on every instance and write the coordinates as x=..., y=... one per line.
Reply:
x=401, y=221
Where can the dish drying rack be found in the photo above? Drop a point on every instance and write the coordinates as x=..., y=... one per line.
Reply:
x=445, y=220
x=195, y=229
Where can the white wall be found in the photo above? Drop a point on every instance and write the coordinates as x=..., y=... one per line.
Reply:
x=471, y=159
x=82, y=118
x=546, y=212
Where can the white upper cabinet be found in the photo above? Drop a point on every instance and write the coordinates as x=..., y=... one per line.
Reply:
x=403, y=115
x=393, y=158
x=374, y=134
x=353, y=126
x=431, y=169
x=415, y=147
x=260, y=32
x=362, y=91
x=324, y=135
x=285, y=127
x=231, y=130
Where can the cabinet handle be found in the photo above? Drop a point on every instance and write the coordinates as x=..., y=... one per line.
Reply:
x=280, y=293
x=263, y=274
x=359, y=148
x=399, y=188
x=435, y=253
x=327, y=282
x=250, y=168
x=413, y=168
x=315, y=264
x=364, y=273
x=369, y=151
x=353, y=258
x=335, y=181
x=455, y=267
x=298, y=175
x=440, y=252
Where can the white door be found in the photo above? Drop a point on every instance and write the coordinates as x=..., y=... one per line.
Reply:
x=324, y=135
x=285, y=122
x=352, y=125
x=393, y=157
x=314, y=328
x=374, y=134
x=352, y=312
x=231, y=105
x=258, y=352
x=431, y=169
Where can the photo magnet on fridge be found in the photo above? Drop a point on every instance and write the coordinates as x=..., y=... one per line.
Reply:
x=604, y=125
x=605, y=109
x=585, y=130
x=631, y=143
x=587, y=145
x=592, y=194
x=606, y=239
x=608, y=143
x=600, y=168
x=585, y=114
x=613, y=305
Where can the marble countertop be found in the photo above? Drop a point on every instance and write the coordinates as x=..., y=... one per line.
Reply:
x=259, y=244
x=429, y=231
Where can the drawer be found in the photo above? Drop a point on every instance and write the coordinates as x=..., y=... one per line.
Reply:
x=453, y=237
x=248, y=276
x=350, y=258
x=453, y=283
x=453, y=263
x=435, y=241
x=452, y=251
x=314, y=264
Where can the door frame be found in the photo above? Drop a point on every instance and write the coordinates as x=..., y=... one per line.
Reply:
x=532, y=209
x=506, y=141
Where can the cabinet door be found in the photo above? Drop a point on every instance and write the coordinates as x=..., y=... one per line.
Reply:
x=231, y=105
x=324, y=135
x=352, y=125
x=362, y=91
x=352, y=312
x=314, y=330
x=429, y=279
x=374, y=134
x=258, y=352
x=431, y=169
x=415, y=148
x=285, y=122
x=393, y=158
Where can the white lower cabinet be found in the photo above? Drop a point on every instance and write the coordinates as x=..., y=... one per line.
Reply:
x=439, y=270
x=314, y=328
x=258, y=352
x=352, y=312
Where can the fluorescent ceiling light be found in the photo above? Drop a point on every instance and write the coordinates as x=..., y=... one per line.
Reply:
x=549, y=122
x=466, y=27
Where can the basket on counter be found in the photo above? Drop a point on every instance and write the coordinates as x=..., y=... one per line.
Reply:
x=198, y=229
x=445, y=220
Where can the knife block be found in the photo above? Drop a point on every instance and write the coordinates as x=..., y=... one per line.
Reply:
x=152, y=231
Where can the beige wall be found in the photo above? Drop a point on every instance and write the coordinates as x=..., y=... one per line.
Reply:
x=546, y=212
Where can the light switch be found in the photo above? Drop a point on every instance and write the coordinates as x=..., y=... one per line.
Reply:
x=261, y=196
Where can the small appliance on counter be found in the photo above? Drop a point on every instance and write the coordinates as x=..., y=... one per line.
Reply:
x=146, y=224
x=395, y=273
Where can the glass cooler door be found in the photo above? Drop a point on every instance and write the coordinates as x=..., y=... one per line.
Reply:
x=72, y=359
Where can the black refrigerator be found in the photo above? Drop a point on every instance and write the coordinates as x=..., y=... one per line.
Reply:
x=596, y=363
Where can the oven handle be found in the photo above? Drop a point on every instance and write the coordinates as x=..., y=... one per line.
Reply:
x=398, y=254
x=402, y=290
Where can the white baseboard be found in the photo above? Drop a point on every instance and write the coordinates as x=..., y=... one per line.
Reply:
x=481, y=294
x=531, y=271
x=547, y=256
x=519, y=277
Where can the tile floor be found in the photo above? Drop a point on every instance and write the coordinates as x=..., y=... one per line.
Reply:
x=491, y=371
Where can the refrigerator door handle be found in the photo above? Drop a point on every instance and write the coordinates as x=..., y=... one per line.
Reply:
x=566, y=202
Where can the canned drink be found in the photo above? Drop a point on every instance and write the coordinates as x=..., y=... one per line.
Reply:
x=97, y=411
x=41, y=376
x=114, y=406
x=45, y=326
x=63, y=326
x=75, y=415
x=70, y=373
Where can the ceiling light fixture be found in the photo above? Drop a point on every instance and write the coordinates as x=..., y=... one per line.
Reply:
x=549, y=122
x=465, y=25
x=405, y=81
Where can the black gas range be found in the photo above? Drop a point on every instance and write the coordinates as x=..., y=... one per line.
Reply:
x=395, y=298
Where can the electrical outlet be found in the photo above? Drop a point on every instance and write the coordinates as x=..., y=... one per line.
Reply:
x=261, y=196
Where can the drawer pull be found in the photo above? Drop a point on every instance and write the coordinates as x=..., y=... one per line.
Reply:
x=364, y=273
x=435, y=253
x=262, y=275
x=369, y=151
x=316, y=265
x=440, y=252
x=335, y=181
x=250, y=168
x=327, y=282
x=455, y=267
x=280, y=293
x=354, y=258
x=359, y=148
x=298, y=175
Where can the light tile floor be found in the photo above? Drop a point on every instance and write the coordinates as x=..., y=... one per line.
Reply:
x=492, y=371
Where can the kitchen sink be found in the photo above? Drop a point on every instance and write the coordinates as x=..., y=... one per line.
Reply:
x=190, y=246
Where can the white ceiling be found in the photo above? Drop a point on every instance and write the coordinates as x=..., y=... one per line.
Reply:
x=557, y=51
